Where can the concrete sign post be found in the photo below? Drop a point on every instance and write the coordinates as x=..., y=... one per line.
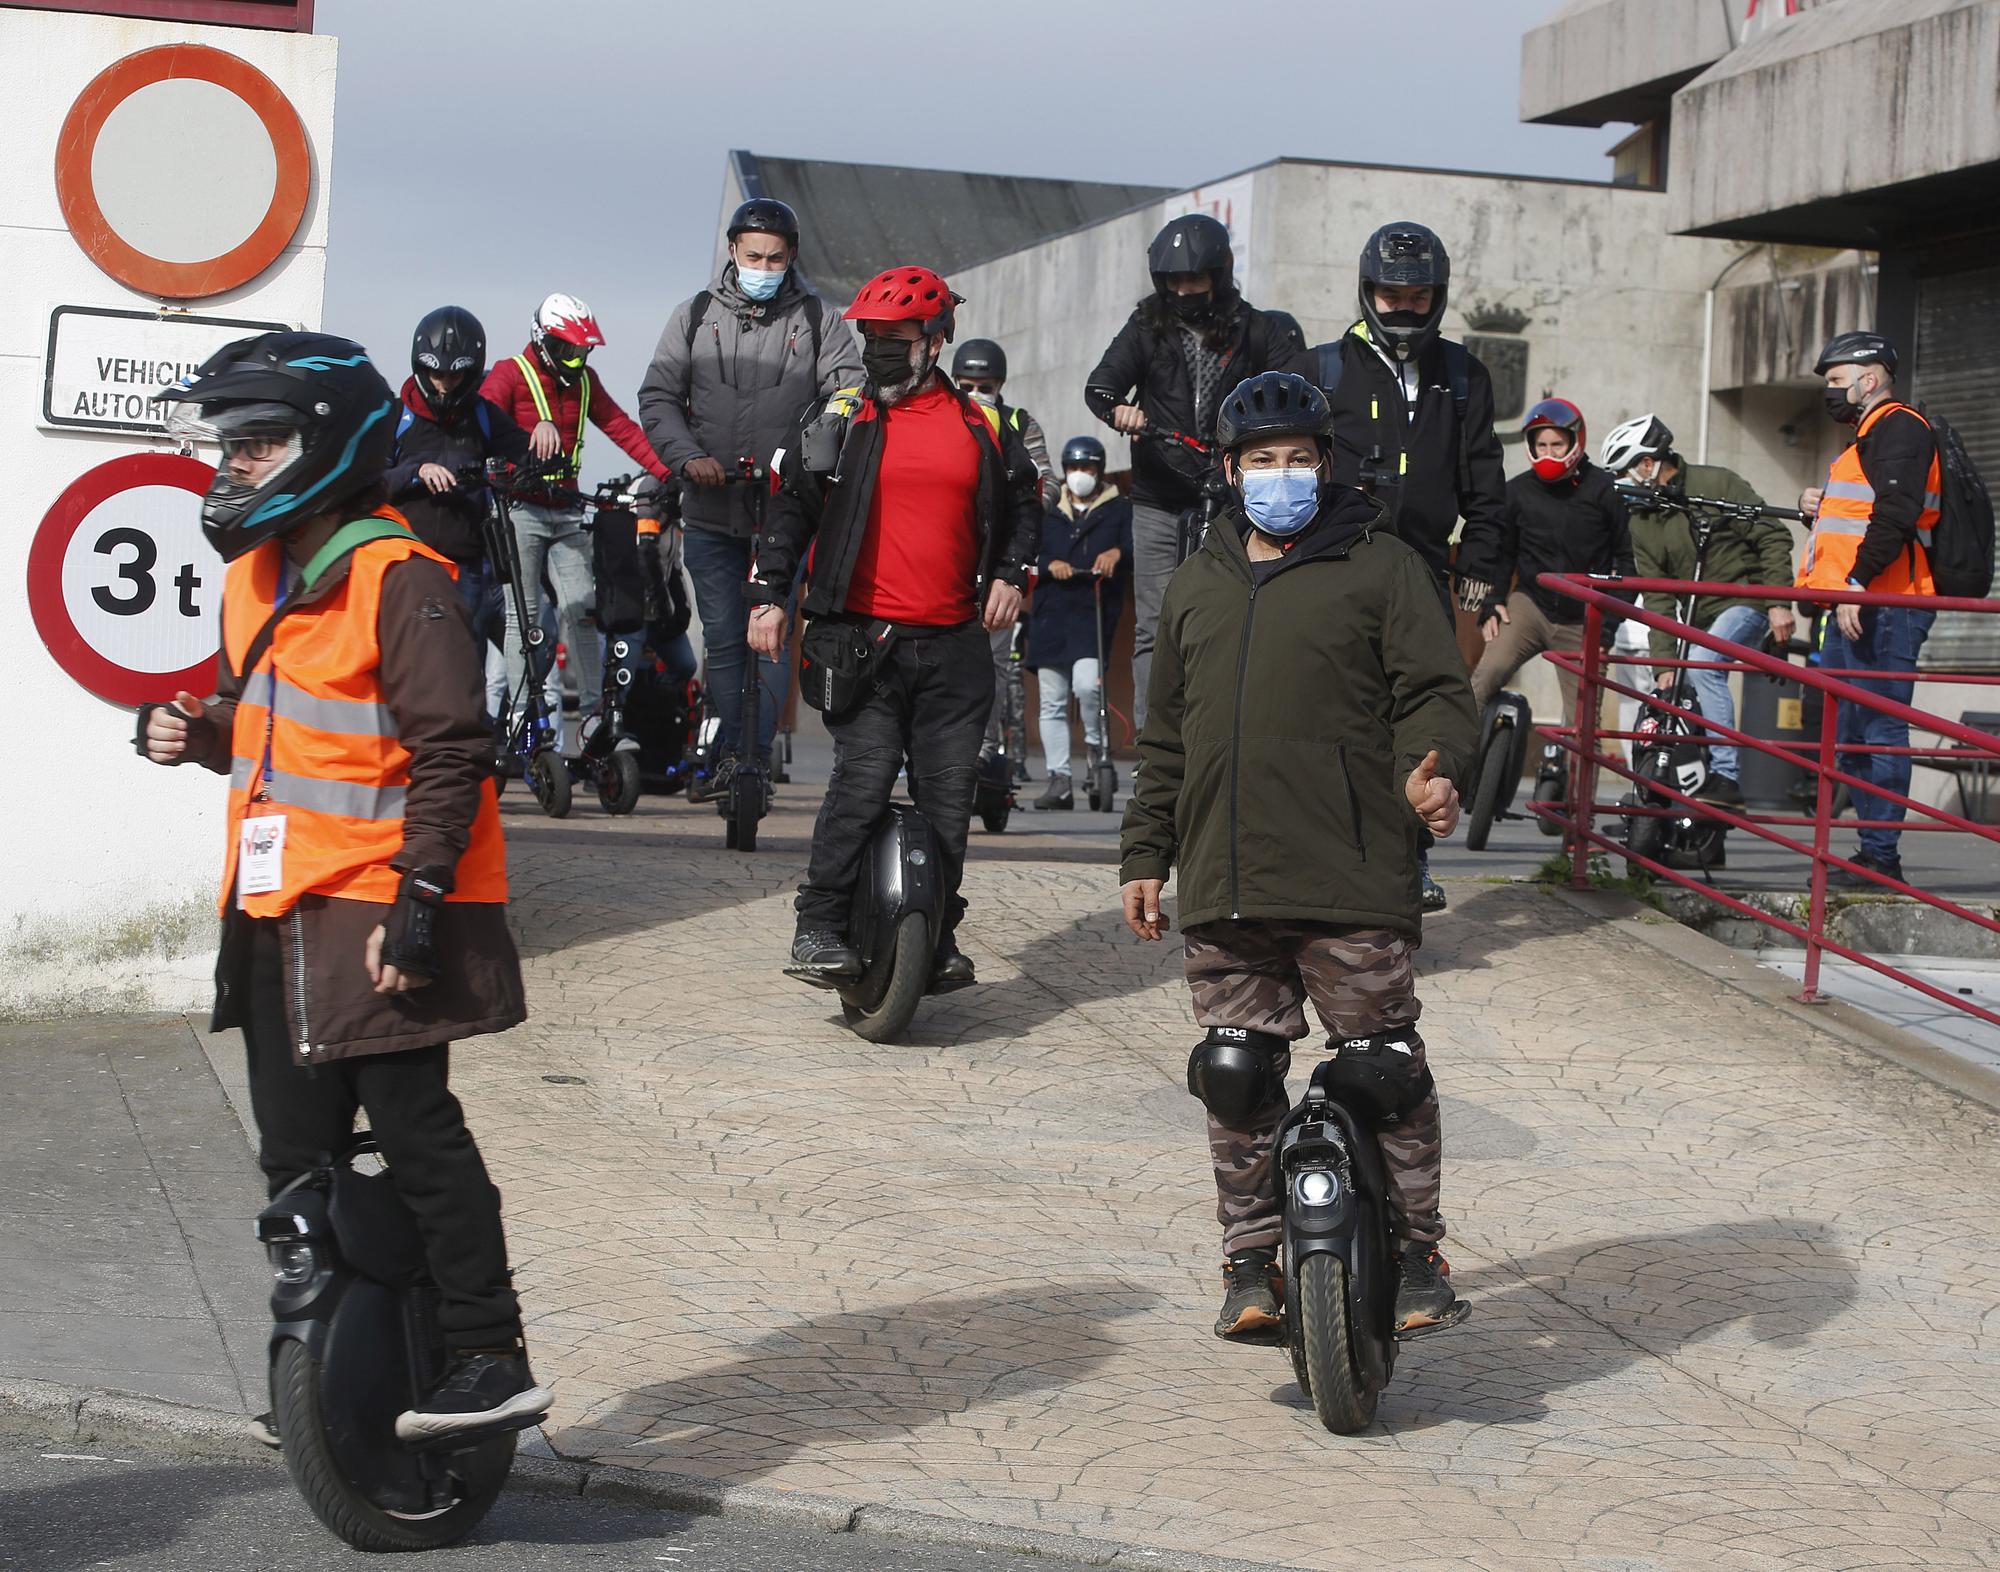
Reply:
x=105, y=366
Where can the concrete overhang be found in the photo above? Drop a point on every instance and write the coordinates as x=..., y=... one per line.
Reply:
x=1860, y=123
x=1599, y=61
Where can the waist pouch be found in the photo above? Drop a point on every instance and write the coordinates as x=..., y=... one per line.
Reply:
x=840, y=663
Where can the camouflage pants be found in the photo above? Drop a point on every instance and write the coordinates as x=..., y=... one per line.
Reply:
x=1259, y=975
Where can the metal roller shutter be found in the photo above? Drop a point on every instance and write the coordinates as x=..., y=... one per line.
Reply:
x=1958, y=351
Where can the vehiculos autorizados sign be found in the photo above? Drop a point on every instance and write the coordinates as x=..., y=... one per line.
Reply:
x=105, y=366
x=123, y=586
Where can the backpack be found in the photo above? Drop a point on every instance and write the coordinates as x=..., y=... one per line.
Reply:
x=1458, y=376
x=815, y=319
x=409, y=419
x=1961, y=552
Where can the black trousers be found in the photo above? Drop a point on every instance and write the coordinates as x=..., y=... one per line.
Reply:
x=305, y=1117
x=930, y=706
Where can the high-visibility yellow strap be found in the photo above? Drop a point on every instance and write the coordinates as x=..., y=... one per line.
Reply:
x=534, y=381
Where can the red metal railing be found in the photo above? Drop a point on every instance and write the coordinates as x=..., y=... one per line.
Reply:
x=1579, y=813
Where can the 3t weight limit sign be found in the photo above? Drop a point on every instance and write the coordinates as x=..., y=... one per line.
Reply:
x=124, y=588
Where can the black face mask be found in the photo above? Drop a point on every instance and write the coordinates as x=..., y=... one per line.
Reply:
x=1403, y=319
x=1838, y=407
x=1193, y=308
x=887, y=361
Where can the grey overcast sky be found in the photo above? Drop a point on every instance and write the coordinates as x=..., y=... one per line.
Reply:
x=487, y=152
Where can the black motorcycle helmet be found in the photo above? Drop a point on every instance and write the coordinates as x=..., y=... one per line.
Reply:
x=1857, y=349
x=1080, y=452
x=1194, y=243
x=449, y=339
x=1405, y=255
x=1272, y=403
x=320, y=396
x=980, y=358
x=766, y=216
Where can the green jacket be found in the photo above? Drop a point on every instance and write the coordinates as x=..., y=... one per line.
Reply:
x=1283, y=721
x=1738, y=553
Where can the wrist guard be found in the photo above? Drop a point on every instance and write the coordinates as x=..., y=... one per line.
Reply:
x=409, y=940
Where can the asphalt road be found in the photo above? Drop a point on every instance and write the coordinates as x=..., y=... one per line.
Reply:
x=67, y=1511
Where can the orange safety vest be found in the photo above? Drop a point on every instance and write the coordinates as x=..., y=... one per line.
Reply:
x=336, y=770
x=1844, y=512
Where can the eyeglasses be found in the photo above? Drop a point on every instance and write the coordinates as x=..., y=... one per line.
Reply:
x=257, y=450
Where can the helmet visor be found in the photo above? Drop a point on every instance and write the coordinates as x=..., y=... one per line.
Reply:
x=567, y=355
x=261, y=431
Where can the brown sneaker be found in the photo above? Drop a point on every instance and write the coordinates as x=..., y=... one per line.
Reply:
x=1252, y=1290
x=1424, y=1298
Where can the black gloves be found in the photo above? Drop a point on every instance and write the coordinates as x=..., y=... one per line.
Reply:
x=410, y=942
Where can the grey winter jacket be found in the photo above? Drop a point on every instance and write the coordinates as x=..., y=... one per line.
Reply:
x=736, y=389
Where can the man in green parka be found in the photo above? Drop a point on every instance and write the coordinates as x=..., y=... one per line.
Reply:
x=1308, y=713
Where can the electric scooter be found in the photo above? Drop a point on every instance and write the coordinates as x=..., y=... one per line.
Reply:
x=744, y=804
x=1672, y=749
x=530, y=741
x=1103, y=773
x=354, y=1343
x=607, y=753
x=1339, y=1257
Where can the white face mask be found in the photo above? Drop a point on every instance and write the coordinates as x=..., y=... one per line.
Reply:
x=1082, y=482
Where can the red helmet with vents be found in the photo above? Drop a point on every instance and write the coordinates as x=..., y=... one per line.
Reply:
x=906, y=294
x=1556, y=414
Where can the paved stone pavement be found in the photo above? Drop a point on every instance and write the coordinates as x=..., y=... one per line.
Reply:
x=1731, y=1306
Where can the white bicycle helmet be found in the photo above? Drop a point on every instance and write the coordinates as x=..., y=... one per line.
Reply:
x=1643, y=436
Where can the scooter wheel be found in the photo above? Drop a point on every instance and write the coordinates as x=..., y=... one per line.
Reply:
x=995, y=819
x=1323, y=1337
x=1103, y=788
x=1487, y=794
x=1551, y=792
x=909, y=980
x=481, y=1471
x=548, y=776
x=745, y=809
x=618, y=783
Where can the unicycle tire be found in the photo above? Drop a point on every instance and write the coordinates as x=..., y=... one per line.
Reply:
x=1551, y=791
x=618, y=783
x=1486, y=795
x=995, y=819
x=481, y=1471
x=1647, y=836
x=909, y=981
x=1322, y=1334
x=548, y=777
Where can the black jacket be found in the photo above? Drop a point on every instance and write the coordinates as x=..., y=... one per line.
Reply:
x=1284, y=720
x=1896, y=456
x=448, y=521
x=1147, y=357
x=1578, y=525
x=1059, y=632
x=1428, y=465
x=829, y=513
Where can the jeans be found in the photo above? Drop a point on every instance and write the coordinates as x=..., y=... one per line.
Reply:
x=557, y=539
x=930, y=704
x=1739, y=625
x=719, y=565
x=1156, y=552
x=1891, y=637
x=1057, y=685
x=305, y=1115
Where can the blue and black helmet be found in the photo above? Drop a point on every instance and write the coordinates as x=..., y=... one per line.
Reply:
x=319, y=397
x=1081, y=451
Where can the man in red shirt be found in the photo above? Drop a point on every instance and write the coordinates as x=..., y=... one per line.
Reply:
x=915, y=514
x=548, y=390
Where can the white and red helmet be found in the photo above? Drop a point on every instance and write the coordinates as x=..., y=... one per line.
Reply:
x=565, y=333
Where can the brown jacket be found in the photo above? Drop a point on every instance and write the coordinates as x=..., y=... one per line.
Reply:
x=433, y=684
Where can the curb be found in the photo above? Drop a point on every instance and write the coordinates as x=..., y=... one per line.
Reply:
x=1842, y=1022
x=44, y=1410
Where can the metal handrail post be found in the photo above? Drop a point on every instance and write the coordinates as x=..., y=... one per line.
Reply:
x=1829, y=712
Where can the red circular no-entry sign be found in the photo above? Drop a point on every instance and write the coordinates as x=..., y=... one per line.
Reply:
x=124, y=588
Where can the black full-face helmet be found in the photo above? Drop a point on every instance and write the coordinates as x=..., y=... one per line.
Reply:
x=1194, y=243
x=318, y=397
x=1404, y=255
x=449, y=339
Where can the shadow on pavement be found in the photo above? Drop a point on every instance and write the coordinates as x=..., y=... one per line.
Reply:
x=1498, y=918
x=862, y=1375
x=1774, y=1282
x=71, y=1525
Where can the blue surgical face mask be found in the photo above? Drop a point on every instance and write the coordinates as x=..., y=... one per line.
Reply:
x=1280, y=501
x=759, y=286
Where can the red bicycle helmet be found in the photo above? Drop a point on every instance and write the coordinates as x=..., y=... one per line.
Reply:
x=1556, y=414
x=907, y=294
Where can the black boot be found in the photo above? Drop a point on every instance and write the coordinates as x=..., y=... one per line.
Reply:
x=1252, y=1290
x=480, y=1391
x=951, y=967
x=824, y=951
x=1057, y=794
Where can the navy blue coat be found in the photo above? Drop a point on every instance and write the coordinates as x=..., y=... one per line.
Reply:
x=1059, y=632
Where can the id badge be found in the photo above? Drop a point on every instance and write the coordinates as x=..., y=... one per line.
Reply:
x=260, y=856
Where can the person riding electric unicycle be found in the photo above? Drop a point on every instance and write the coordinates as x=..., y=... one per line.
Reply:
x=1309, y=714
x=364, y=883
x=919, y=509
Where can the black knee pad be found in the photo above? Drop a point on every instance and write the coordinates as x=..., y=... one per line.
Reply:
x=1381, y=1075
x=1233, y=1068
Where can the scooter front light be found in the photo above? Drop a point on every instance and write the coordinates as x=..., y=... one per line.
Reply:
x=1316, y=1187
x=293, y=1261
